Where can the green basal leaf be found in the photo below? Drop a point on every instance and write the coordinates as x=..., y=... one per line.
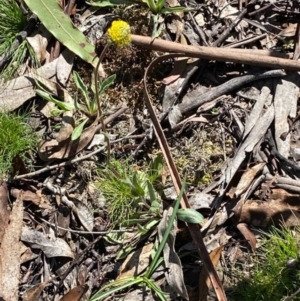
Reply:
x=62, y=105
x=107, y=83
x=176, y=9
x=160, y=4
x=160, y=248
x=151, y=192
x=116, y=238
x=151, y=284
x=152, y=5
x=61, y=26
x=155, y=168
x=190, y=216
x=116, y=286
x=137, y=190
x=81, y=86
x=78, y=130
x=124, y=252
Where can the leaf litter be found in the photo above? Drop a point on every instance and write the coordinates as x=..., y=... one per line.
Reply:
x=223, y=119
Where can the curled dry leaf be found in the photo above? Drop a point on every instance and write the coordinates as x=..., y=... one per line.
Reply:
x=34, y=292
x=67, y=148
x=38, y=240
x=247, y=233
x=75, y=293
x=282, y=207
x=37, y=198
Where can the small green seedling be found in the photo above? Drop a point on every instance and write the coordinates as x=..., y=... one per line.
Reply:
x=131, y=194
x=146, y=279
x=16, y=138
x=88, y=106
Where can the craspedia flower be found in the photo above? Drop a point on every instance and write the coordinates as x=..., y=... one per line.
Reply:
x=119, y=33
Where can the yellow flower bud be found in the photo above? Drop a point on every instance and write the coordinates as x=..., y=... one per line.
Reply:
x=119, y=33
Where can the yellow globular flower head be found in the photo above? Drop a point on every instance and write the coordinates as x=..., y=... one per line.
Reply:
x=119, y=33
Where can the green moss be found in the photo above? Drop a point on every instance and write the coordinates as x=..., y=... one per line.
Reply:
x=16, y=138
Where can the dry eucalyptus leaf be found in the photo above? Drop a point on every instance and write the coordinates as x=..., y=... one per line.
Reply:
x=200, y=19
x=282, y=207
x=10, y=253
x=136, y=262
x=289, y=31
x=17, y=91
x=247, y=233
x=84, y=214
x=39, y=44
x=37, y=198
x=75, y=293
x=143, y=294
x=38, y=240
x=64, y=66
x=34, y=292
x=285, y=104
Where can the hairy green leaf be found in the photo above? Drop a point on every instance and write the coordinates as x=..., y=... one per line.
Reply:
x=78, y=130
x=61, y=26
x=190, y=215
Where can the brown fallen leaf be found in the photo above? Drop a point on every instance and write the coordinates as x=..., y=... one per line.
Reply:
x=37, y=198
x=10, y=253
x=75, y=293
x=247, y=178
x=49, y=150
x=174, y=273
x=34, y=292
x=247, y=233
x=282, y=206
x=136, y=262
x=38, y=240
x=289, y=31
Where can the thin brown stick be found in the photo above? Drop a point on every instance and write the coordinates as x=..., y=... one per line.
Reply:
x=193, y=228
x=100, y=115
x=220, y=54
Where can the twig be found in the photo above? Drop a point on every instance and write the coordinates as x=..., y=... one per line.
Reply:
x=193, y=228
x=195, y=102
x=214, y=53
x=227, y=31
x=76, y=261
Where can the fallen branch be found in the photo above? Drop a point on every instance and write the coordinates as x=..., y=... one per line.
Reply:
x=239, y=56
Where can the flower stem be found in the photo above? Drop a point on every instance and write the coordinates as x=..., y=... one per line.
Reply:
x=100, y=115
